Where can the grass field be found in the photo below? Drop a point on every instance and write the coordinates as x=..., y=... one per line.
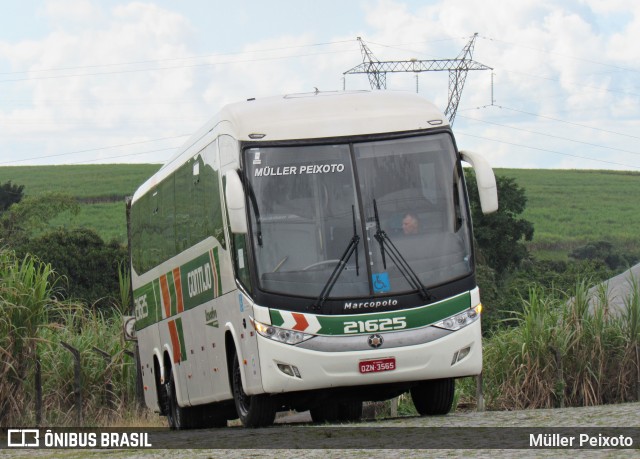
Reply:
x=101, y=189
x=572, y=207
x=568, y=207
x=86, y=181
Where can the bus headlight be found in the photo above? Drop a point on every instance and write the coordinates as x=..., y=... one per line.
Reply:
x=461, y=319
x=281, y=335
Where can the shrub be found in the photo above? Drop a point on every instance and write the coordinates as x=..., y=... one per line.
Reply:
x=33, y=323
x=88, y=264
x=568, y=349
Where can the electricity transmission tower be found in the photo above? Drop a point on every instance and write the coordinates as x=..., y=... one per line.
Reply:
x=377, y=71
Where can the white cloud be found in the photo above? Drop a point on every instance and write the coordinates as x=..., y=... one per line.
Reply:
x=550, y=58
x=104, y=101
x=563, y=60
x=67, y=12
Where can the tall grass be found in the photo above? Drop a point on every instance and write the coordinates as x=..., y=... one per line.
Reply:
x=568, y=349
x=33, y=323
x=26, y=290
x=631, y=333
x=85, y=329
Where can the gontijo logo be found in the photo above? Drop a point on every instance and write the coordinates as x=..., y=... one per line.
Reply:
x=199, y=280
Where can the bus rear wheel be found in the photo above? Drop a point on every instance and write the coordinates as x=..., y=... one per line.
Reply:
x=253, y=410
x=176, y=415
x=434, y=396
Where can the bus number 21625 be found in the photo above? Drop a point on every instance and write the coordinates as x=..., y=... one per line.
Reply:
x=375, y=325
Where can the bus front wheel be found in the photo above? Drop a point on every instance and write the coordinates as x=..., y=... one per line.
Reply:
x=253, y=410
x=434, y=396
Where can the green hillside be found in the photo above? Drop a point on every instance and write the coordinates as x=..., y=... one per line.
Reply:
x=572, y=207
x=568, y=207
x=100, y=188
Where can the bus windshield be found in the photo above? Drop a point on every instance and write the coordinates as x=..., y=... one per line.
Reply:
x=315, y=203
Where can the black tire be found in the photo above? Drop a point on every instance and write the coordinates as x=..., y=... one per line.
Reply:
x=434, y=397
x=176, y=415
x=327, y=412
x=350, y=411
x=253, y=410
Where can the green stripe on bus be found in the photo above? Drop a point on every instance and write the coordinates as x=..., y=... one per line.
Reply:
x=413, y=318
x=216, y=260
x=157, y=299
x=183, y=348
x=172, y=293
x=276, y=317
x=199, y=280
x=145, y=307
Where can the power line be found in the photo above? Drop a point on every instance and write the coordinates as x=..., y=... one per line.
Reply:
x=413, y=51
x=123, y=156
x=170, y=59
x=563, y=121
x=548, y=151
x=71, y=122
x=551, y=135
x=571, y=123
x=578, y=85
x=212, y=64
x=95, y=149
x=590, y=61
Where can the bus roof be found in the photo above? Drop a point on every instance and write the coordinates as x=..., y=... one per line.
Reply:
x=331, y=114
x=310, y=116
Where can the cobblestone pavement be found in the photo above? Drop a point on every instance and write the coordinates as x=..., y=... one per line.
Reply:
x=495, y=423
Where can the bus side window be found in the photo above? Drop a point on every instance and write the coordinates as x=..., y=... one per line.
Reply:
x=228, y=150
x=240, y=260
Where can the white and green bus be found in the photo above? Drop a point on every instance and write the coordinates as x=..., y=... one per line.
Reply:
x=308, y=252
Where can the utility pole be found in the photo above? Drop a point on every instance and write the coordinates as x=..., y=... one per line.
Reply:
x=377, y=71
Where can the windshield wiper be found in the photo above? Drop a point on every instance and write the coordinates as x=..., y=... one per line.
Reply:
x=337, y=271
x=256, y=212
x=401, y=263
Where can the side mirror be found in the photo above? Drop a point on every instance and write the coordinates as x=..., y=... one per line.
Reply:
x=234, y=194
x=487, y=189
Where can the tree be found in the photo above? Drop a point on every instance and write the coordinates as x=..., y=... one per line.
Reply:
x=616, y=258
x=500, y=236
x=89, y=265
x=30, y=215
x=10, y=194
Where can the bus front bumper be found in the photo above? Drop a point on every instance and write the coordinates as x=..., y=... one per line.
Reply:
x=287, y=368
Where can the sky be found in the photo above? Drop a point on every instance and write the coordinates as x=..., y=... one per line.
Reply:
x=117, y=81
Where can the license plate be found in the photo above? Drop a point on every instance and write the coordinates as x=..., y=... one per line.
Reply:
x=374, y=366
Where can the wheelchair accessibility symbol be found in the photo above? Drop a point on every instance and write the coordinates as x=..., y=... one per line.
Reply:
x=380, y=282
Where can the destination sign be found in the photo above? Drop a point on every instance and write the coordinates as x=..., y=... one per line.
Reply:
x=268, y=171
